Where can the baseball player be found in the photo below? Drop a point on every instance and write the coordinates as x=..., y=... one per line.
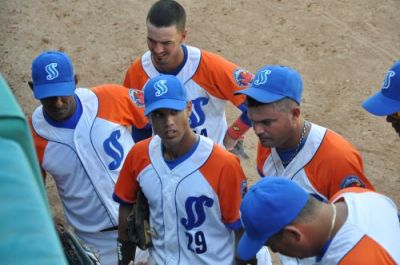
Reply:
x=317, y=158
x=209, y=79
x=387, y=101
x=82, y=137
x=193, y=186
x=357, y=225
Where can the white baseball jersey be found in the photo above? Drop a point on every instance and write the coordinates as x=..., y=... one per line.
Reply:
x=326, y=163
x=85, y=161
x=371, y=232
x=210, y=82
x=191, y=205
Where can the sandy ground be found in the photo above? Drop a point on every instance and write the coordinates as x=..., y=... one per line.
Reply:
x=342, y=49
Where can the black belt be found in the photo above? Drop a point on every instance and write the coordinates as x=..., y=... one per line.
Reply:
x=110, y=229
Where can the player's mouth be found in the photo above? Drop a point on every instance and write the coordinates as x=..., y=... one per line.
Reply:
x=159, y=57
x=58, y=111
x=170, y=134
x=265, y=139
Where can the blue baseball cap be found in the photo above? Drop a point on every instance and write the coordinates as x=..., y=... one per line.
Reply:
x=269, y=205
x=53, y=75
x=164, y=92
x=387, y=100
x=274, y=82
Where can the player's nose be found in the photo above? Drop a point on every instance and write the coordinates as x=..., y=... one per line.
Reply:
x=158, y=48
x=57, y=102
x=258, y=128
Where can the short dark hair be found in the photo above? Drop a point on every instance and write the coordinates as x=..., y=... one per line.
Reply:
x=251, y=102
x=307, y=214
x=165, y=13
x=283, y=104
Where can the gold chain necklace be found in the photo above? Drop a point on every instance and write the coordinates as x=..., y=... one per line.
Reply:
x=303, y=134
x=333, y=220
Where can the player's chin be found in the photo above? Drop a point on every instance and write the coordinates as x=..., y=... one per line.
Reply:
x=59, y=115
x=267, y=142
x=161, y=60
x=170, y=140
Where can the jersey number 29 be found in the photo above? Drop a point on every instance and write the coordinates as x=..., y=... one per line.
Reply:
x=197, y=242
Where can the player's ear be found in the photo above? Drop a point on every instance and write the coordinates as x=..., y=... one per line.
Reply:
x=189, y=108
x=149, y=119
x=296, y=113
x=292, y=232
x=183, y=35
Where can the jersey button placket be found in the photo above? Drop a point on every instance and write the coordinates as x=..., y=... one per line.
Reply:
x=170, y=219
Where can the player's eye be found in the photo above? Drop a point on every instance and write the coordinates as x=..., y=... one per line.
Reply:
x=155, y=114
x=266, y=122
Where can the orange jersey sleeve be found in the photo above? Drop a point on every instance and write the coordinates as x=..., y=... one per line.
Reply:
x=137, y=159
x=262, y=154
x=225, y=175
x=331, y=169
x=116, y=105
x=367, y=252
x=135, y=77
x=40, y=146
x=217, y=76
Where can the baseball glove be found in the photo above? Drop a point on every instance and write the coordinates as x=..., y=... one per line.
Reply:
x=138, y=223
x=75, y=251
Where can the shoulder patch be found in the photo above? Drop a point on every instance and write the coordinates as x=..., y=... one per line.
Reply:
x=352, y=181
x=242, y=77
x=137, y=97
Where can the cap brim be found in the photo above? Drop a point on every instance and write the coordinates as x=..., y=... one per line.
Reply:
x=381, y=105
x=260, y=95
x=54, y=90
x=247, y=248
x=173, y=104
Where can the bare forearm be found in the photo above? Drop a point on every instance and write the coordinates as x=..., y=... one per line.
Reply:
x=124, y=211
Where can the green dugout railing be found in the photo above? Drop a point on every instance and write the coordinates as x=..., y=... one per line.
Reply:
x=27, y=231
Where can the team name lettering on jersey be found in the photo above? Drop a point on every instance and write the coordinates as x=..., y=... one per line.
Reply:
x=114, y=149
x=51, y=71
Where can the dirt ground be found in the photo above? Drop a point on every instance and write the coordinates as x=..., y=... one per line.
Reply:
x=342, y=49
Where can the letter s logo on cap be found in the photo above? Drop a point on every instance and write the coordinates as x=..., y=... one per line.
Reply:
x=261, y=78
x=161, y=88
x=386, y=81
x=51, y=71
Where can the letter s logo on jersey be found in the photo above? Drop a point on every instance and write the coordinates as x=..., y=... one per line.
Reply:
x=160, y=88
x=51, y=71
x=198, y=116
x=262, y=77
x=195, y=211
x=114, y=149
